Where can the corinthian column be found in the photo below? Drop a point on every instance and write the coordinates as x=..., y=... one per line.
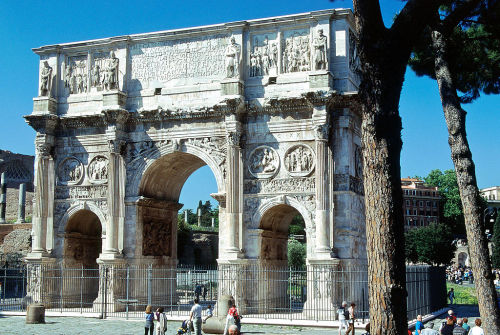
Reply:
x=233, y=191
x=323, y=249
x=116, y=200
x=42, y=232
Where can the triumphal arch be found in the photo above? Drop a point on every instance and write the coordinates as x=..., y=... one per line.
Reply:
x=267, y=104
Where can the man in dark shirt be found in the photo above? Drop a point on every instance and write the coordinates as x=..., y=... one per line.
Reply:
x=459, y=330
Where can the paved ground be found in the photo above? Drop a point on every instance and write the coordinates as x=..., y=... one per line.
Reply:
x=89, y=326
x=76, y=326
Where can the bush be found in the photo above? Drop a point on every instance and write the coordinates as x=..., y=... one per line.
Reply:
x=432, y=245
x=296, y=254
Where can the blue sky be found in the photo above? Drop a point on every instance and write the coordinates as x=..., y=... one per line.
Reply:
x=27, y=24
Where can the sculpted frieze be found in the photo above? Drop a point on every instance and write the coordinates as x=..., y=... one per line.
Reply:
x=296, y=51
x=81, y=192
x=264, y=55
x=76, y=74
x=98, y=169
x=263, y=162
x=299, y=160
x=286, y=185
x=70, y=171
x=174, y=59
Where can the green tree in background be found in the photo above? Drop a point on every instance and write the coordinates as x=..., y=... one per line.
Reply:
x=450, y=205
x=432, y=245
x=495, y=258
x=297, y=226
x=296, y=254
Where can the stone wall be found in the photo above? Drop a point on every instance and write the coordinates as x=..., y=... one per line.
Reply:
x=13, y=204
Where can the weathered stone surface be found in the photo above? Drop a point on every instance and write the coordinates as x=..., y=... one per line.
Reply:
x=15, y=246
x=269, y=105
x=35, y=313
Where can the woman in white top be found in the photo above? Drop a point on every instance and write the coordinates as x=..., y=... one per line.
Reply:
x=477, y=330
x=161, y=325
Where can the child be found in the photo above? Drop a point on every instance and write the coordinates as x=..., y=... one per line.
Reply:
x=209, y=313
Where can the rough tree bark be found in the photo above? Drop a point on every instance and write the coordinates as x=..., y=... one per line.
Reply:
x=469, y=193
x=384, y=54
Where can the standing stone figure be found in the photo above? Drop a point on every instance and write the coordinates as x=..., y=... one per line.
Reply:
x=110, y=75
x=233, y=52
x=96, y=76
x=320, y=47
x=45, y=79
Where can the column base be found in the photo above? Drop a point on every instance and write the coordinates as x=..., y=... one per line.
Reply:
x=321, y=79
x=232, y=86
x=38, y=256
x=114, y=99
x=44, y=105
x=110, y=257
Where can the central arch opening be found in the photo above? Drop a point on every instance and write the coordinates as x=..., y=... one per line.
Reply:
x=167, y=240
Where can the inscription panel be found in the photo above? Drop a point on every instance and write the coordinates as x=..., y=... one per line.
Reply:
x=169, y=60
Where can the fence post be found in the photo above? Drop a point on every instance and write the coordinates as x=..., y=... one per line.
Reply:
x=150, y=277
x=61, y=284
x=22, y=285
x=127, y=285
x=106, y=292
x=81, y=291
x=290, y=279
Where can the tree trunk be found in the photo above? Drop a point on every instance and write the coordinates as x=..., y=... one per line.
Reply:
x=469, y=193
x=381, y=145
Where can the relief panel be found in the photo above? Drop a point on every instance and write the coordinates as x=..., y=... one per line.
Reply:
x=169, y=60
x=296, y=51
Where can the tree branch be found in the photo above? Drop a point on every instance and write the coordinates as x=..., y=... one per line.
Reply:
x=459, y=13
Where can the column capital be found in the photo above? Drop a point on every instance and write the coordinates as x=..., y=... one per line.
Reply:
x=116, y=146
x=321, y=132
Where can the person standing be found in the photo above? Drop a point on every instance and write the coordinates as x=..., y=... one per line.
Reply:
x=477, y=330
x=465, y=325
x=195, y=316
x=352, y=317
x=451, y=295
x=459, y=330
x=149, y=326
x=232, y=318
x=419, y=326
x=343, y=317
x=430, y=330
x=448, y=327
x=161, y=326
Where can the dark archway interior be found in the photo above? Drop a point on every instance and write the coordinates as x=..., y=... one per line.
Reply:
x=82, y=243
x=275, y=223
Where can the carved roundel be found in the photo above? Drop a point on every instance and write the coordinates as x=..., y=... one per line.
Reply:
x=70, y=171
x=264, y=162
x=98, y=170
x=299, y=160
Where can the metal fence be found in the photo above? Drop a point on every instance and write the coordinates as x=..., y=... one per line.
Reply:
x=267, y=292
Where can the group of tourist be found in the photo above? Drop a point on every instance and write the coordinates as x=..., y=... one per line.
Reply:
x=452, y=326
x=347, y=316
x=194, y=322
x=160, y=317
x=459, y=274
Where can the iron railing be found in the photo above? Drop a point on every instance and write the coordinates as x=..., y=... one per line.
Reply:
x=260, y=291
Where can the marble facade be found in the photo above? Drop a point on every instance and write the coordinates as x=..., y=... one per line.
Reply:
x=269, y=105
